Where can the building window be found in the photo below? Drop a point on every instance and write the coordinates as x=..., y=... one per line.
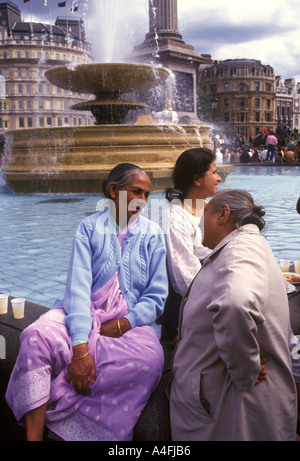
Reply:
x=257, y=116
x=40, y=89
x=226, y=117
x=29, y=106
x=48, y=105
x=41, y=104
x=20, y=89
x=41, y=122
x=226, y=102
x=21, y=122
x=28, y=88
x=242, y=102
x=49, y=121
x=226, y=86
x=59, y=121
x=21, y=105
x=29, y=122
x=257, y=102
x=242, y=116
x=257, y=86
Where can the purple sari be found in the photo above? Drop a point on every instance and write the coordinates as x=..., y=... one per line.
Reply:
x=128, y=370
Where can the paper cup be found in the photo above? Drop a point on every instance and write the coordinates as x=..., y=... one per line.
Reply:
x=297, y=267
x=285, y=265
x=18, y=305
x=3, y=303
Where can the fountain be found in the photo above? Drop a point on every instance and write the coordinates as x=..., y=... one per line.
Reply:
x=77, y=159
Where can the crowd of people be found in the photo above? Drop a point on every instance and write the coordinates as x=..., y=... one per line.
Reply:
x=86, y=369
x=237, y=150
x=248, y=154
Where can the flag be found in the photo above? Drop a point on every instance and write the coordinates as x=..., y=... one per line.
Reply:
x=62, y=4
x=25, y=1
x=75, y=8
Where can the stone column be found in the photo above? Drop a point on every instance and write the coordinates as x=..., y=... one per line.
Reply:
x=163, y=16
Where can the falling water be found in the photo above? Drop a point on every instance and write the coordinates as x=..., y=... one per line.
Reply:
x=108, y=14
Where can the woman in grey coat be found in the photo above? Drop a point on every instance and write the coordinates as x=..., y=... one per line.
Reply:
x=234, y=314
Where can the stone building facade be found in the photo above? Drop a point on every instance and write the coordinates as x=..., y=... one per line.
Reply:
x=164, y=45
x=27, y=50
x=284, y=101
x=244, y=93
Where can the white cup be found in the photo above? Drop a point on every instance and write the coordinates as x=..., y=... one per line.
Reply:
x=18, y=305
x=3, y=303
x=297, y=267
x=285, y=265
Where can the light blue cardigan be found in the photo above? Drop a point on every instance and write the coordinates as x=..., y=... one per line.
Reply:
x=95, y=258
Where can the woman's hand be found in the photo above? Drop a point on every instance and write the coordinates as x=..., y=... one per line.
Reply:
x=263, y=372
x=115, y=328
x=81, y=371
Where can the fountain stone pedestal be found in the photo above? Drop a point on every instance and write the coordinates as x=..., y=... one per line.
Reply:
x=78, y=159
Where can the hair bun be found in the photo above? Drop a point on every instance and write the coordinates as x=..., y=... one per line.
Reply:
x=174, y=194
x=259, y=210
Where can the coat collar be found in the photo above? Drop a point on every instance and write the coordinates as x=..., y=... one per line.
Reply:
x=247, y=229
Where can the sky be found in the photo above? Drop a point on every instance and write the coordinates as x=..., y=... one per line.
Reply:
x=265, y=30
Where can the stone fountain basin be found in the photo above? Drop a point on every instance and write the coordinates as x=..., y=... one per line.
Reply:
x=78, y=159
x=104, y=78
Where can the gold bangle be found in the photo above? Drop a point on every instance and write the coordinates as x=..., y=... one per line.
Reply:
x=120, y=331
x=79, y=358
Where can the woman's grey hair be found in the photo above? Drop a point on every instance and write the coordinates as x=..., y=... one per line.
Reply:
x=243, y=209
x=120, y=175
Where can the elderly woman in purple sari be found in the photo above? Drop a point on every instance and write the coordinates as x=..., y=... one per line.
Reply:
x=87, y=368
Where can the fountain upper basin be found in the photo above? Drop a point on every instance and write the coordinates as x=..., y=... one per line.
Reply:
x=99, y=78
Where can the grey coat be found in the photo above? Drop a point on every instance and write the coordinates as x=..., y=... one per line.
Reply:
x=235, y=312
